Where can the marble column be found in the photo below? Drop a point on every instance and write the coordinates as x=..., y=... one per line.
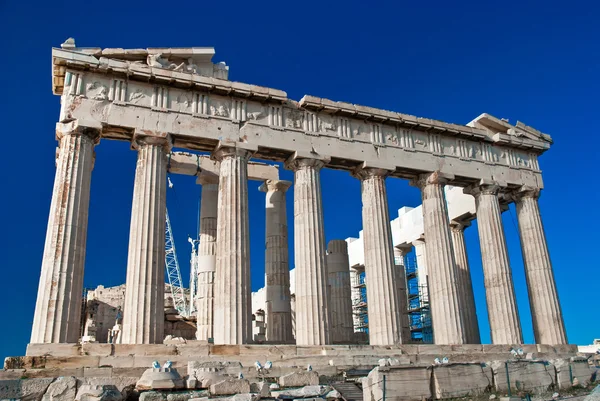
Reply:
x=143, y=311
x=548, y=324
x=382, y=295
x=465, y=285
x=355, y=292
x=446, y=316
x=401, y=285
x=58, y=308
x=232, y=303
x=499, y=290
x=207, y=255
x=421, y=256
x=312, y=303
x=277, y=269
x=340, y=298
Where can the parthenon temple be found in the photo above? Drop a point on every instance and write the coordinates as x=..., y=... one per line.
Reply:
x=163, y=98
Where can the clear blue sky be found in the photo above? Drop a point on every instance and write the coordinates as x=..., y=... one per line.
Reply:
x=538, y=63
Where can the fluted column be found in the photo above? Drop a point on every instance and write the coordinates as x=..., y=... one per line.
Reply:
x=143, y=312
x=421, y=256
x=277, y=270
x=499, y=290
x=312, y=304
x=465, y=286
x=446, y=315
x=382, y=293
x=340, y=298
x=207, y=256
x=232, y=303
x=355, y=294
x=399, y=255
x=58, y=307
x=548, y=324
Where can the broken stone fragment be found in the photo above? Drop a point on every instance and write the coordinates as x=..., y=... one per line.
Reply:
x=155, y=379
x=299, y=379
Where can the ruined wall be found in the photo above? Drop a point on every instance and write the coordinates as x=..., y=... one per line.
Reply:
x=108, y=300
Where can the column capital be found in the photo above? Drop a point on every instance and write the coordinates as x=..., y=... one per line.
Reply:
x=364, y=173
x=73, y=128
x=436, y=178
x=151, y=138
x=401, y=250
x=525, y=192
x=222, y=152
x=456, y=225
x=296, y=163
x=417, y=242
x=274, y=186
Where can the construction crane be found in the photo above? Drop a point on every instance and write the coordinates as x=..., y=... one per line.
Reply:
x=172, y=266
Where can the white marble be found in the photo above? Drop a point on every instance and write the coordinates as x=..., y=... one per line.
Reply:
x=143, y=313
x=232, y=303
x=58, y=307
x=278, y=311
x=312, y=301
x=340, y=298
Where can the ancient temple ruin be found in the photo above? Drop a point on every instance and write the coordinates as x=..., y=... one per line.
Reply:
x=160, y=98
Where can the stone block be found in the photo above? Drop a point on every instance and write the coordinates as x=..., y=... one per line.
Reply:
x=144, y=350
x=88, y=392
x=25, y=362
x=529, y=376
x=97, y=372
x=54, y=372
x=581, y=372
x=72, y=362
x=303, y=392
x=224, y=350
x=152, y=396
x=261, y=388
x=434, y=349
x=128, y=372
x=97, y=349
x=53, y=350
x=62, y=389
x=401, y=383
x=461, y=380
x=119, y=382
x=299, y=379
x=24, y=389
x=160, y=379
x=116, y=361
x=193, y=349
x=186, y=395
x=230, y=386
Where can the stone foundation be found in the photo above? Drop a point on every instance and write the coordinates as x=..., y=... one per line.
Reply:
x=473, y=369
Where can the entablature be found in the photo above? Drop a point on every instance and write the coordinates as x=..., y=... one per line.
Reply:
x=200, y=112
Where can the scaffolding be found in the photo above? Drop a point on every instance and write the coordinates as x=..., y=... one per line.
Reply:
x=419, y=313
x=359, y=306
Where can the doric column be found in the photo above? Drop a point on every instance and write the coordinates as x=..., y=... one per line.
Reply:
x=143, y=312
x=312, y=309
x=548, y=324
x=465, y=286
x=355, y=294
x=207, y=255
x=340, y=298
x=421, y=256
x=446, y=316
x=399, y=255
x=499, y=290
x=58, y=307
x=232, y=303
x=277, y=270
x=382, y=295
